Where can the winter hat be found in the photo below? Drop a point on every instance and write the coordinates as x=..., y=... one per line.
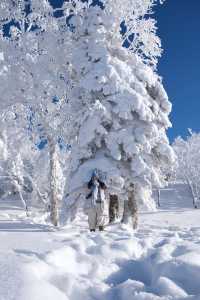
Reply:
x=95, y=173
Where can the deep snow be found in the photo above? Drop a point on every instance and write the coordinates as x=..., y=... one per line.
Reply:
x=161, y=260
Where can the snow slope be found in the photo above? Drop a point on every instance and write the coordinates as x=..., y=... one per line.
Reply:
x=161, y=260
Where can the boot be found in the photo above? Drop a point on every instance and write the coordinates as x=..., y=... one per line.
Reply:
x=101, y=228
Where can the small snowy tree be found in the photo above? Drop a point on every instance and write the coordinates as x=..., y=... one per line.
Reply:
x=15, y=143
x=188, y=167
x=122, y=108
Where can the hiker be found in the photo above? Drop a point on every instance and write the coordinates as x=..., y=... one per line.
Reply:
x=96, y=203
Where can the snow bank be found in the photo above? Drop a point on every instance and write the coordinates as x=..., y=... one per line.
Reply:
x=159, y=261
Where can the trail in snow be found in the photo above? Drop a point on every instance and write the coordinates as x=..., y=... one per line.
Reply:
x=161, y=260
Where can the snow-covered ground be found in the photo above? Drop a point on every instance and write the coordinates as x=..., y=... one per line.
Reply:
x=161, y=260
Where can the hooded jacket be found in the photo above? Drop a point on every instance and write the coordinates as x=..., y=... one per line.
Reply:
x=97, y=194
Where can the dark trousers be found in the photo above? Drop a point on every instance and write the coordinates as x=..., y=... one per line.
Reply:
x=113, y=208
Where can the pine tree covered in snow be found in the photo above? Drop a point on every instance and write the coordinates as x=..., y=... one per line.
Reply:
x=120, y=105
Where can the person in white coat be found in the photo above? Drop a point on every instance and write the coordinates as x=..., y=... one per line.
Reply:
x=96, y=203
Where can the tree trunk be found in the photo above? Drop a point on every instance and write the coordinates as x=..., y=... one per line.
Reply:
x=24, y=202
x=113, y=208
x=158, y=191
x=193, y=195
x=130, y=211
x=53, y=190
x=18, y=188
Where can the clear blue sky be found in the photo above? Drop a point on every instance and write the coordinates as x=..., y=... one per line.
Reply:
x=179, y=30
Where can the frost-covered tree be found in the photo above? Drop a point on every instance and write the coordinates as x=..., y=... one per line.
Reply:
x=14, y=143
x=24, y=165
x=33, y=72
x=48, y=129
x=38, y=143
x=138, y=28
x=188, y=163
x=22, y=28
x=122, y=107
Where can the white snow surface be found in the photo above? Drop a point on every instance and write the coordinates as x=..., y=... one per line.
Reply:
x=159, y=261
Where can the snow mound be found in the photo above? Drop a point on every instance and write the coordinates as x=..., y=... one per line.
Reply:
x=159, y=261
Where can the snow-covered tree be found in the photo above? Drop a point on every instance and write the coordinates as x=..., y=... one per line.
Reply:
x=14, y=142
x=33, y=72
x=188, y=163
x=48, y=128
x=138, y=28
x=22, y=27
x=24, y=165
x=122, y=107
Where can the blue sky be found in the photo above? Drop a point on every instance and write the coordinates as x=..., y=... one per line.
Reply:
x=179, y=30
